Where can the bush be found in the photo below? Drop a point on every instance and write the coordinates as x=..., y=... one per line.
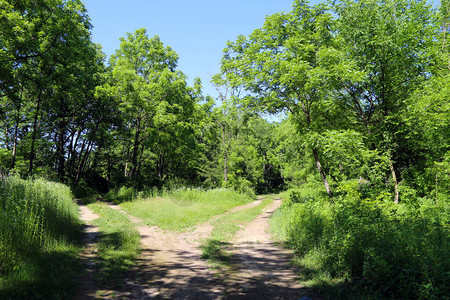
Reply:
x=122, y=194
x=398, y=251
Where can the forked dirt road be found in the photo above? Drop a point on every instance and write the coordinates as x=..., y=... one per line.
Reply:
x=170, y=266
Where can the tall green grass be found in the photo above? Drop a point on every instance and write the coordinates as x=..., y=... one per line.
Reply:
x=39, y=239
x=184, y=208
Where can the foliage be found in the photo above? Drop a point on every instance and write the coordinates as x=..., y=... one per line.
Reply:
x=154, y=101
x=292, y=64
x=390, y=251
x=39, y=239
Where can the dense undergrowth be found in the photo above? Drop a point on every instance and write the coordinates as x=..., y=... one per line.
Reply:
x=39, y=239
x=367, y=248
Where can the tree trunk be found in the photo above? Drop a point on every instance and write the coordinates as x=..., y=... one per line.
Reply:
x=140, y=160
x=134, y=157
x=82, y=164
x=322, y=173
x=72, y=154
x=394, y=178
x=33, y=137
x=437, y=203
x=225, y=168
x=6, y=134
x=16, y=132
x=61, y=152
x=225, y=156
x=161, y=165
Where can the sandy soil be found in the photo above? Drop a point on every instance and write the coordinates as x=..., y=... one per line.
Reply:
x=87, y=287
x=260, y=268
x=171, y=267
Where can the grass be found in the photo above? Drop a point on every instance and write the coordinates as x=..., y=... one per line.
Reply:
x=182, y=209
x=225, y=227
x=39, y=239
x=118, y=245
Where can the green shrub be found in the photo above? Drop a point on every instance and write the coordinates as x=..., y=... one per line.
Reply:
x=121, y=195
x=396, y=251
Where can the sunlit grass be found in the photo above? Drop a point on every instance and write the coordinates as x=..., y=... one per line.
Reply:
x=184, y=208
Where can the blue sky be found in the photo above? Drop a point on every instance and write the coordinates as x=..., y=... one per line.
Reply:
x=196, y=29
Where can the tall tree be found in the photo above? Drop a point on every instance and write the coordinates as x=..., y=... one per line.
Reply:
x=291, y=64
x=390, y=42
x=150, y=93
x=41, y=43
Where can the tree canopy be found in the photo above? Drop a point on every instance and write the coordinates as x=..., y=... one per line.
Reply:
x=363, y=86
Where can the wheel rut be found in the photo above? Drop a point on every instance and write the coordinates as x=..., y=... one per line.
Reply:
x=261, y=269
x=170, y=265
x=87, y=286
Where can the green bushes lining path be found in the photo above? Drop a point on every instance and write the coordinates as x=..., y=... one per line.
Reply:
x=39, y=239
x=369, y=248
x=184, y=208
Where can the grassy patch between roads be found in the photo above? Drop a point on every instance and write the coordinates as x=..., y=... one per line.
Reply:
x=118, y=245
x=225, y=227
x=184, y=208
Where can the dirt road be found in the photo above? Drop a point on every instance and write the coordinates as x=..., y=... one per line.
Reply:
x=260, y=268
x=171, y=267
x=87, y=287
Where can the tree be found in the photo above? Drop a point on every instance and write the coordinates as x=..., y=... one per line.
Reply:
x=222, y=128
x=43, y=42
x=150, y=93
x=390, y=41
x=291, y=64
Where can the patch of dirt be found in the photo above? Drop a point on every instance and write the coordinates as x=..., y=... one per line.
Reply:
x=260, y=268
x=87, y=286
x=170, y=266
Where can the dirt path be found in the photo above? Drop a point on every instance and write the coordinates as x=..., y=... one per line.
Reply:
x=261, y=269
x=87, y=287
x=170, y=266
